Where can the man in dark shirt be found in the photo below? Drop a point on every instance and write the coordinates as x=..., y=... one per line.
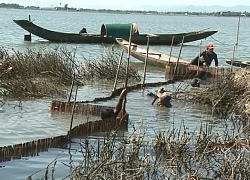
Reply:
x=206, y=57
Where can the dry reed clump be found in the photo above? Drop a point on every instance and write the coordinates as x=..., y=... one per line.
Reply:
x=228, y=95
x=173, y=154
x=40, y=64
x=44, y=73
x=106, y=67
x=36, y=73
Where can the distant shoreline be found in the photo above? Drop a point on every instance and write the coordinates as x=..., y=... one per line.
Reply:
x=186, y=13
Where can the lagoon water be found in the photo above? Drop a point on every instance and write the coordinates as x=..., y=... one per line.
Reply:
x=35, y=120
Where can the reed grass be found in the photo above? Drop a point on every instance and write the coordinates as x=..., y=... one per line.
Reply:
x=105, y=67
x=228, y=96
x=43, y=73
x=173, y=154
x=178, y=153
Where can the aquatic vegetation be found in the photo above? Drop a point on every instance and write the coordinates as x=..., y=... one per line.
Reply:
x=172, y=154
x=43, y=73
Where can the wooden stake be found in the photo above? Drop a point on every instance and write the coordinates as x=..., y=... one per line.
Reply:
x=145, y=64
x=178, y=58
x=238, y=31
x=72, y=85
x=72, y=114
x=146, y=59
x=118, y=70
x=232, y=61
x=170, y=54
x=127, y=68
x=128, y=57
x=198, y=67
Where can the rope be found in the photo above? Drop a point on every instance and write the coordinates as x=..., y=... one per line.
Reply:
x=220, y=41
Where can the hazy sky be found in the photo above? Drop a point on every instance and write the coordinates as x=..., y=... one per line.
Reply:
x=126, y=4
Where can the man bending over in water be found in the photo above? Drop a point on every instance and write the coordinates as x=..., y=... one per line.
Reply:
x=164, y=98
x=110, y=113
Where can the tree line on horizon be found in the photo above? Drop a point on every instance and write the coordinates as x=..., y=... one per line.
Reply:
x=66, y=8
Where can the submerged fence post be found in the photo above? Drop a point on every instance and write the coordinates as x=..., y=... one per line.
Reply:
x=72, y=114
x=238, y=30
x=146, y=59
x=27, y=37
x=127, y=68
x=118, y=70
x=171, y=48
x=198, y=67
x=128, y=57
x=175, y=69
x=232, y=61
x=145, y=63
x=72, y=85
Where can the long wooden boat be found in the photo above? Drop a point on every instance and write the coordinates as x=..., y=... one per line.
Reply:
x=182, y=68
x=154, y=57
x=242, y=64
x=108, y=34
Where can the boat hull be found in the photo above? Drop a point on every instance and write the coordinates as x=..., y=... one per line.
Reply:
x=173, y=66
x=242, y=64
x=159, y=39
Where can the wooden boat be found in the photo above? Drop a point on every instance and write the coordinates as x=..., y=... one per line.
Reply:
x=242, y=64
x=108, y=34
x=154, y=57
x=181, y=69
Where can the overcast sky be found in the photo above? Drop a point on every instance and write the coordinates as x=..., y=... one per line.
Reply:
x=126, y=4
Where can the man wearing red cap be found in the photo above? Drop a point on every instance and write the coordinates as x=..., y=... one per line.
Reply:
x=206, y=57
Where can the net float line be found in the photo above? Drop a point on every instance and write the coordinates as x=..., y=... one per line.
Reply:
x=33, y=148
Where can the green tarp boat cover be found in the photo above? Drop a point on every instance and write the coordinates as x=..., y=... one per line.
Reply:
x=116, y=30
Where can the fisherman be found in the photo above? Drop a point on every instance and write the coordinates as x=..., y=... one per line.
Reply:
x=83, y=31
x=195, y=82
x=113, y=113
x=163, y=98
x=135, y=29
x=205, y=59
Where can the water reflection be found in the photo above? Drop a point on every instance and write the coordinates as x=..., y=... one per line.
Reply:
x=32, y=122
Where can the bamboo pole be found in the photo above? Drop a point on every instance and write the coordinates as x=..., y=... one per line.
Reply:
x=127, y=69
x=72, y=85
x=30, y=32
x=145, y=63
x=171, y=48
x=128, y=57
x=118, y=70
x=178, y=57
x=28, y=37
x=236, y=44
x=198, y=67
x=72, y=113
x=146, y=59
x=232, y=61
x=237, y=38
